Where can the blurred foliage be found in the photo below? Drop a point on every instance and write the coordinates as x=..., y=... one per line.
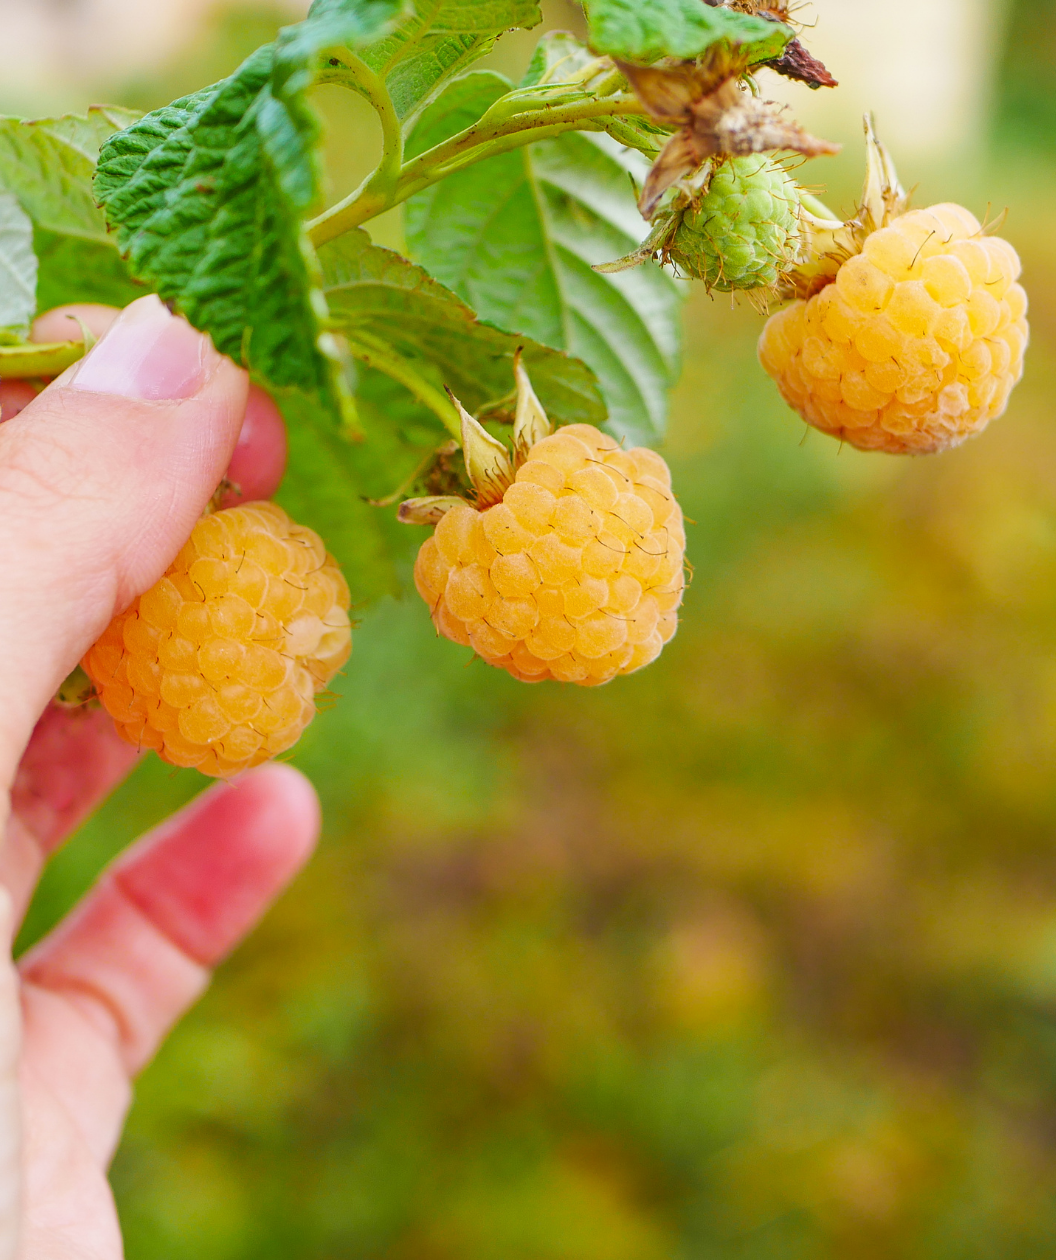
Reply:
x=748, y=957
x=1026, y=114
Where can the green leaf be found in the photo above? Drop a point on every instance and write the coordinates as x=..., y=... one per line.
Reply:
x=643, y=31
x=49, y=163
x=331, y=23
x=558, y=58
x=207, y=198
x=442, y=39
x=18, y=268
x=327, y=487
x=557, y=51
x=73, y=269
x=516, y=235
x=398, y=318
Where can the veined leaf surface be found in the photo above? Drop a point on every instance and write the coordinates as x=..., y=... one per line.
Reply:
x=442, y=39
x=48, y=166
x=49, y=163
x=516, y=237
x=387, y=306
x=18, y=268
x=208, y=197
x=643, y=31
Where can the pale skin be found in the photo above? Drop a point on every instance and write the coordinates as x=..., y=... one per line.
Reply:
x=101, y=480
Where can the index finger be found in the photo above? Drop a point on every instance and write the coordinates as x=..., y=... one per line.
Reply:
x=64, y=322
x=74, y=760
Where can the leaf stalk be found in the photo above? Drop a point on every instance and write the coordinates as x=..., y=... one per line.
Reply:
x=486, y=138
x=353, y=72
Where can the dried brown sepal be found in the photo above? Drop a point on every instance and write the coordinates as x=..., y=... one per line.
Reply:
x=729, y=121
x=775, y=10
x=221, y=492
x=670, y=90
x=429, y=510
x=680, y=157
x=797, y=63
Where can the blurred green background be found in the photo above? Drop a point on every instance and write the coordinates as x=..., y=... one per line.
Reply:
x=751, y=956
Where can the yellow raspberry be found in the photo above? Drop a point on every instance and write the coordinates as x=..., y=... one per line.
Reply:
x=916, y=345
x=218, y=664
x=575, y=574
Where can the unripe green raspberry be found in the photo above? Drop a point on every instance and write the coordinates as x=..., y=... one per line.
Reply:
x=745, y=232
x=575, y=574
x=218, y=664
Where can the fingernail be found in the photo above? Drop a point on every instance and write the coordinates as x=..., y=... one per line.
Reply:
x=147, y=353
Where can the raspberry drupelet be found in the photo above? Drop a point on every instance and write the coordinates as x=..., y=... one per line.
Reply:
x=571, y=568
x=218, y=664
x=744, y=233
x=914, y=340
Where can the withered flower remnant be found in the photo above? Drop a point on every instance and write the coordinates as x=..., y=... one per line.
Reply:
x=715, y=115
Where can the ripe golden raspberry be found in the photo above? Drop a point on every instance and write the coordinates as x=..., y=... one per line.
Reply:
x=575, y=573
x=917, y=344
x=218, y=664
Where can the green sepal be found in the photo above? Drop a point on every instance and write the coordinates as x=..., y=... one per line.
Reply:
x=34, y=361
x=76, y=691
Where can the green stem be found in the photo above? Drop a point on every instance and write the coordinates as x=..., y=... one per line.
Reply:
x=483, y=140
x=816, y=206
x=33, y=359
x=351, y=71
x=378, y=355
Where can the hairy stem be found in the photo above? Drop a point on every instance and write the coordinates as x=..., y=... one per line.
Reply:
x=483, y=140
x=351, y=71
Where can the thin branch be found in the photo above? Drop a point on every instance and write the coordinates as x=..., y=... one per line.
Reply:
x=483, y=140
x=352, y=72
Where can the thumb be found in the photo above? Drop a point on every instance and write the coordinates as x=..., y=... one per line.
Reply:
x=101, y=480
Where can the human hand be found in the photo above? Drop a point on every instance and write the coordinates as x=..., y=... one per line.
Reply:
x=102, y=478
